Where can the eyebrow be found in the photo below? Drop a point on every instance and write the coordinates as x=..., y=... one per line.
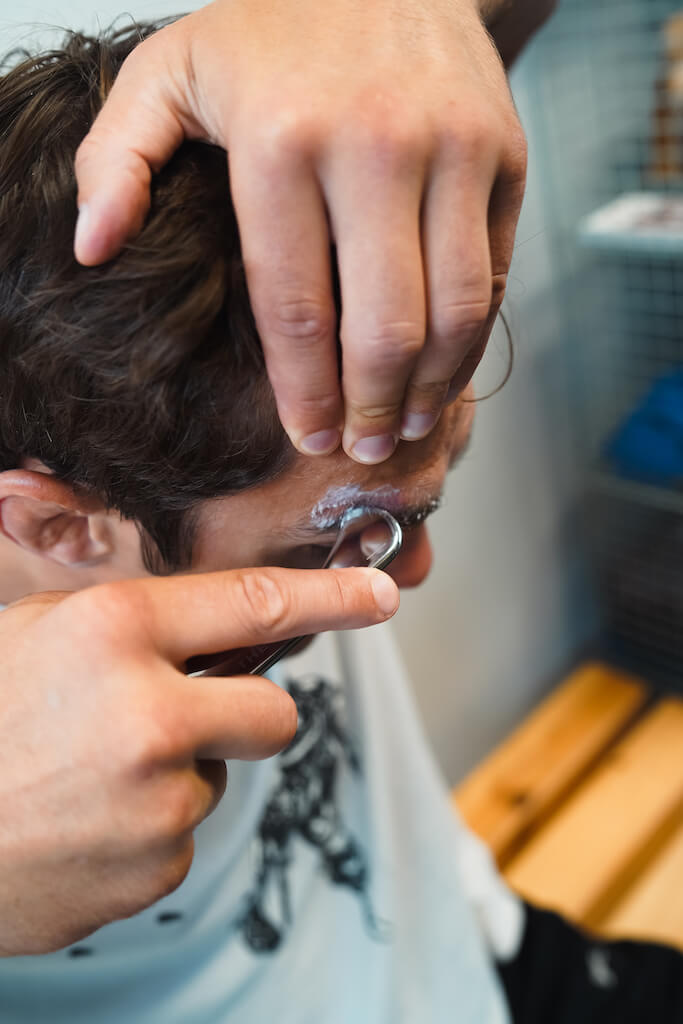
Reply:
x=406, y=515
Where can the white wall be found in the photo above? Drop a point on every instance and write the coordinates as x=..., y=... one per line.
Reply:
x=30, y=20
x=506, y=607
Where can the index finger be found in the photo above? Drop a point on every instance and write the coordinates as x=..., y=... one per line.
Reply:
x=212, y=612
x=286, y=251
x=136, y=132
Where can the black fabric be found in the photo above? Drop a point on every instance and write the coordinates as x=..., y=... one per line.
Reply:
x=563, y=975
x=304, y=805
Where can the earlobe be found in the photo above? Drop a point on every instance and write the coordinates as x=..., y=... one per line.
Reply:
x=40, y=515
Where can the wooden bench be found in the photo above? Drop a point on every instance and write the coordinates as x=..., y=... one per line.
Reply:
x=582, y=805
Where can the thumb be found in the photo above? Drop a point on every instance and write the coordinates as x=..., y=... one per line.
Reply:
x=144, y=120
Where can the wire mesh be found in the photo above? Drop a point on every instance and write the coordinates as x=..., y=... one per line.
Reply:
x=609, y=116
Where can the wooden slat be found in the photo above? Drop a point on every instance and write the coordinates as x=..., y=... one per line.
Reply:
x=592, y=849
x=653, y=907
x=507, y=795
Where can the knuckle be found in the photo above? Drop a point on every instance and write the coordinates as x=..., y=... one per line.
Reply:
x=137, y=60
x=289, y=134
x=157, y=880
x=261, y=600
x=109, y=608
x=391, y=131
x=318, y=405
x=516, y=154
x=469, y=136
x=87, y=151
x=130, y=898
x=176, y=812
x=154, y=735
x=456, y=318
x=174, y=871
x=305, y=321
x=374, y=413
x=393, y=344
x=144, y=885
x=427, y=394
x=393, y=144
x=499, y=287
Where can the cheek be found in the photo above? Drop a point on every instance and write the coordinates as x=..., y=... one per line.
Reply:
x=412, y=565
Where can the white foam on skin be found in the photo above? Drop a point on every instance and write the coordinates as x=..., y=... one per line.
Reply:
x=325, y=513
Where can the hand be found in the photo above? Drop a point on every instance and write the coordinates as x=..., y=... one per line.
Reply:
x=386, y=128
x=110, y=753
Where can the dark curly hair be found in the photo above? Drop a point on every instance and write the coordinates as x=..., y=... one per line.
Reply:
x=141, y=380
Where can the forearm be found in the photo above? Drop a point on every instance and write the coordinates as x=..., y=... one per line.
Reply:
x=513, y=22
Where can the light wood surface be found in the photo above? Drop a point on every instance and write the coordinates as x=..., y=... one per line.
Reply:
x=653, y=907
x=520, y=783
x=603, y=835
x=583, y=806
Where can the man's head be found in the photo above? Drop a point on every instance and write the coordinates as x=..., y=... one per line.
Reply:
x=140, y=385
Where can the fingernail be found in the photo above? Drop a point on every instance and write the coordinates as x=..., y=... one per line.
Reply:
x=385, y=592
x=374, y=449
x=417, y=425
x=321, y=443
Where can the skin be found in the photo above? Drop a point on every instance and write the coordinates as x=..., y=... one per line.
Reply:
x=412, y=477
x=111, y=755
x=384, y=128
x=54, y=539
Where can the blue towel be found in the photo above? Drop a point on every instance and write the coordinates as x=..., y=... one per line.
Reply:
x=648, y=446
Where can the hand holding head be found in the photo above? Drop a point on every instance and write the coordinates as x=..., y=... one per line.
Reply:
x=391, y=137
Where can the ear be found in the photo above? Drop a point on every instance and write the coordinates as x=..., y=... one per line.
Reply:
x=43, y=515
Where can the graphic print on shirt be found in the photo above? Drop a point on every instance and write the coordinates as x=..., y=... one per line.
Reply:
x=304, y=804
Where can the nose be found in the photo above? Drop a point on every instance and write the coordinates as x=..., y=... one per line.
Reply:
x=414, y=560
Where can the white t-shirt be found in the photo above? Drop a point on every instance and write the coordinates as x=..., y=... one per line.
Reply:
x=333, y=885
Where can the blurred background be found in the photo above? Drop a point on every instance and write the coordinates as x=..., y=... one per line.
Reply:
x=563, y=534
x=562, y=531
